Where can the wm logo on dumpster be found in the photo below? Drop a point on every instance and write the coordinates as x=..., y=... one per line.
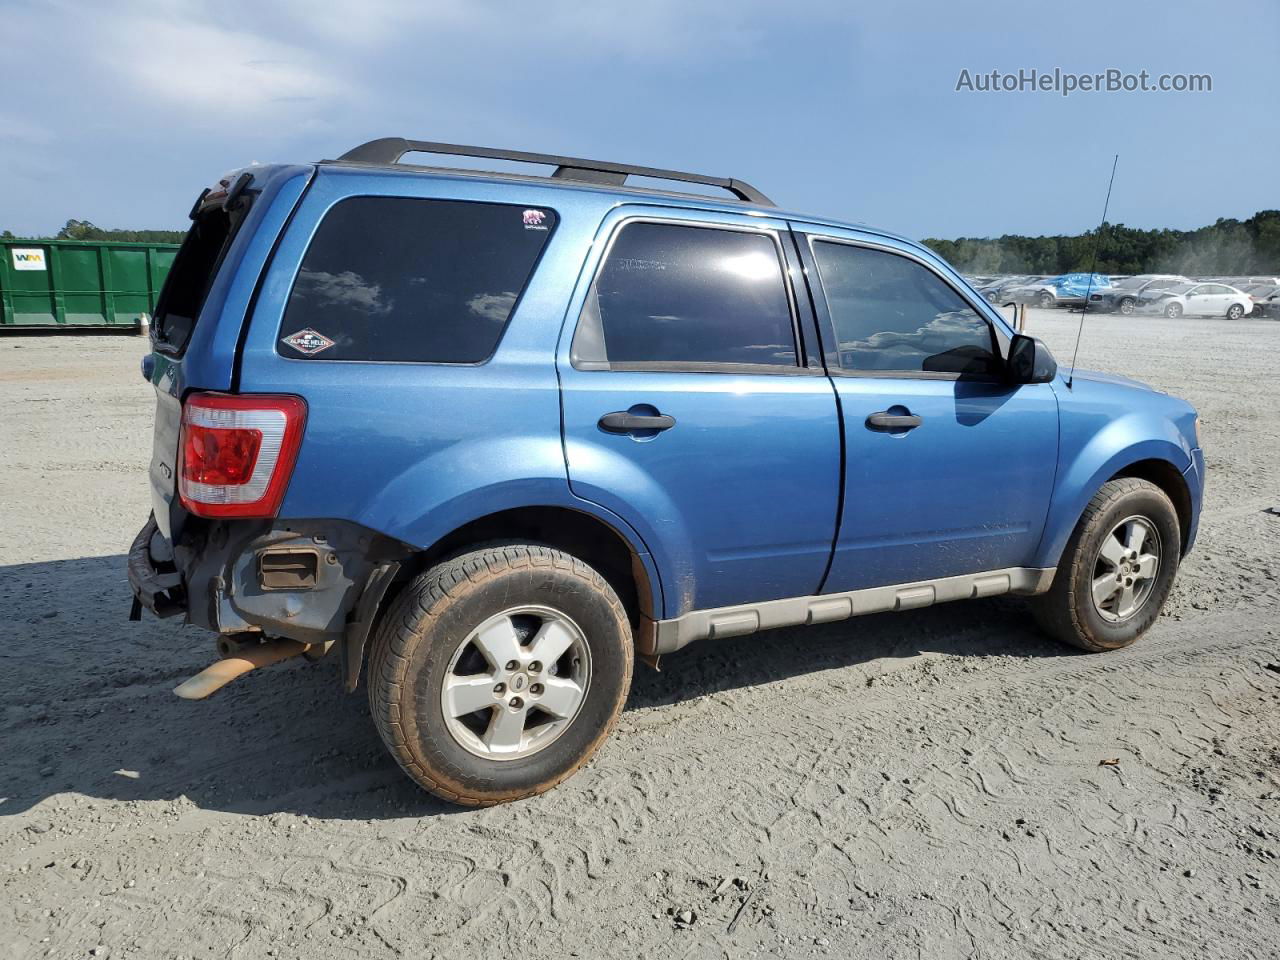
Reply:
x=28, y=259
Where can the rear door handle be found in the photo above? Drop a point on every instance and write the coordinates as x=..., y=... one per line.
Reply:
x=623, y=422
x=893, y=421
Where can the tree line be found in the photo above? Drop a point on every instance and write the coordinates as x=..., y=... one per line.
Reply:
x=1227, y=247
x=84, y=230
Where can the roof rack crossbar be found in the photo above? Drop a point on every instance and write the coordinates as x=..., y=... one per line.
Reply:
x=391, y=149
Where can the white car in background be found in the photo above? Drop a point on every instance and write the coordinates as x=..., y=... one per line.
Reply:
x=1199, y=300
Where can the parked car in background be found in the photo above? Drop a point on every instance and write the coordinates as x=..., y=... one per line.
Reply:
x=1199, y=300
x=1266, y=299
x=993, y=291
x=1068, y=290
x=1122, y=295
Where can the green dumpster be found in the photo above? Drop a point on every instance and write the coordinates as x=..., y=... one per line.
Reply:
x=80, y=283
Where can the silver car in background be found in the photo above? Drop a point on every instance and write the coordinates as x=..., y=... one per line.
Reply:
x=1124, y=295
x=1198, y=300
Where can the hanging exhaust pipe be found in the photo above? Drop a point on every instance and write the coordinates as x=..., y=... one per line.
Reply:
x=238, y=658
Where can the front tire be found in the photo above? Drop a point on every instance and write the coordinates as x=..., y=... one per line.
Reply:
x=1173, y=311
x=1047, y=300
x=497, y=674
x=1117, y=568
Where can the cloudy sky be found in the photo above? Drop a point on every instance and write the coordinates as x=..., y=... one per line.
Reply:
x=118, y=111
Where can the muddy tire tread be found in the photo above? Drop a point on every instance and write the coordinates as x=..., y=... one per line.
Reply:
x=1058, y=610
x=421, y=601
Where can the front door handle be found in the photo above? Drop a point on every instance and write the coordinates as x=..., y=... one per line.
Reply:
x=893, y=421
x=621, y=421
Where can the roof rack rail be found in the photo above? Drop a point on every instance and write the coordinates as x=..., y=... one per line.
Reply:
x=391, y=149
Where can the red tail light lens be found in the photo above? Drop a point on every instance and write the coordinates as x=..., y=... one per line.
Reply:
x=237, y=453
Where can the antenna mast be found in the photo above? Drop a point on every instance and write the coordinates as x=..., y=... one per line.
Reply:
x=1097, y=242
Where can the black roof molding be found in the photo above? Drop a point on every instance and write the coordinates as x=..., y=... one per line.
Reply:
x=391, y=149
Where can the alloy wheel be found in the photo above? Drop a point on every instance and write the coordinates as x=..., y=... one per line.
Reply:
x=1125, y=569
x=516, y=683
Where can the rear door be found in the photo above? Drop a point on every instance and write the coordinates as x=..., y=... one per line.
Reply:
x=949, y=470
x=692, y=409
x=1223, y=296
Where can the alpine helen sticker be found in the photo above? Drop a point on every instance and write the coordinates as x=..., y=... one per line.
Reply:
x=307, y=341
x=533, y=220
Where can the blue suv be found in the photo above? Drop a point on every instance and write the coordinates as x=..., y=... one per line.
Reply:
x=501, y=435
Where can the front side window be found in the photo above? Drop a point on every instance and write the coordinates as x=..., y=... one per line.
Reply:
x=676, y=296
x=893, y=314
x=401, y=279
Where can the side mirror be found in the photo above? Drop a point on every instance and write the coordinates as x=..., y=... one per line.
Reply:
x=1029, y=361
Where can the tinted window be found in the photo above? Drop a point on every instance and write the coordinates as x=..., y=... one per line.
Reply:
x=191, y=276
x=388, y=278
x=670, y=294
x=891, y=313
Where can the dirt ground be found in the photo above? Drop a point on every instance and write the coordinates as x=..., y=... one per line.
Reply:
x=928, y=784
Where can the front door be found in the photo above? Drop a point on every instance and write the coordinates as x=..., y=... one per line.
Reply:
x=1200, y=300
x=949, y=470
x=689, y=409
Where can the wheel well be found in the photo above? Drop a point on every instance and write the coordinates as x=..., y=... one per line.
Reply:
x=1169, y=479
x=589, y=539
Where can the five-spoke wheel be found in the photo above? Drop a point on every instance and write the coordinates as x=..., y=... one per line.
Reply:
x=1117, y=568
x=516, y=683
x=1125, y=568
x=497, y=673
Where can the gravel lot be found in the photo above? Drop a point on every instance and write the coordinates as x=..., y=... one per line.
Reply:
x=924, y=784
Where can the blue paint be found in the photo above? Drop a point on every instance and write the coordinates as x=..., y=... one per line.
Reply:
x=744, y=499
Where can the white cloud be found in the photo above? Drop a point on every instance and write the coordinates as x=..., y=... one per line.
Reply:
x=207, y=68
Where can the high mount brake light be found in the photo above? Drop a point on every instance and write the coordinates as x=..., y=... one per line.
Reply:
x=237, y=453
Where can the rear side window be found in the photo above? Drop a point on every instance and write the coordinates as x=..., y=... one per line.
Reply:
x=687, y=297
x=893, y=314
x=399, y=279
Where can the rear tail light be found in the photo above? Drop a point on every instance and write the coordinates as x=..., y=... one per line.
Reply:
x=237, y=453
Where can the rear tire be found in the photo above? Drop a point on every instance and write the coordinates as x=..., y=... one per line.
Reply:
x=1126, y=306
x=1173, y=311
x=1235, y=312
x=452, y=638
x=1117, y=568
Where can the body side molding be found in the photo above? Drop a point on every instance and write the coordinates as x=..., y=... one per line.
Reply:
x=746, y=618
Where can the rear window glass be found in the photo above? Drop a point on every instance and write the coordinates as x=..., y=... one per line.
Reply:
x=397, y=279
x=190, y=277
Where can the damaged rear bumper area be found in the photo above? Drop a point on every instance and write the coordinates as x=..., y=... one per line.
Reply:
x=317, y=582
x=157, y=585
